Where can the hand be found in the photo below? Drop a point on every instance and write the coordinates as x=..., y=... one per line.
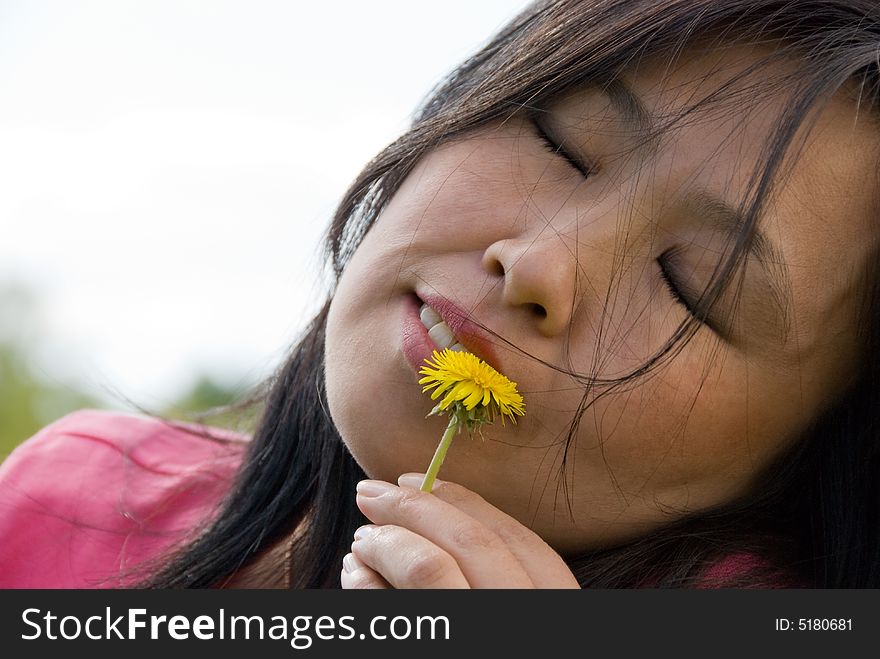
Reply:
x=449, y=538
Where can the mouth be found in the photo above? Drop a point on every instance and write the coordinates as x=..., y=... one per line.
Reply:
x=431, y=322
x=438, y=330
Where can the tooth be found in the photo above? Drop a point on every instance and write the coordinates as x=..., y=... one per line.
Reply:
x=429, y=316
x=441, y=335
x=458, y=348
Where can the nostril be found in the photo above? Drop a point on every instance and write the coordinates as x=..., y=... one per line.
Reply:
x=496, y=268
x=539, y=311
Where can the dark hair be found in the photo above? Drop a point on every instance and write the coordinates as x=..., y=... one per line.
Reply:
x=813, y=513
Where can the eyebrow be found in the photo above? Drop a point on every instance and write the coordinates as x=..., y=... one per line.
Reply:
x=721, y=216
x=628, y=105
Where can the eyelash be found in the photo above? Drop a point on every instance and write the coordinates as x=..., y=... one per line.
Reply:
x=559, y=150
x=670, y=286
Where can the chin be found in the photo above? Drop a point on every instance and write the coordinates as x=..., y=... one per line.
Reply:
x=382, y=444
x=387, y=461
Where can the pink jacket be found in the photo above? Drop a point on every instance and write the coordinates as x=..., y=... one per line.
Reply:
x=95, y=493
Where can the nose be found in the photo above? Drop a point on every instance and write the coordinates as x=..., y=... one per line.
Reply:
x=538, y=275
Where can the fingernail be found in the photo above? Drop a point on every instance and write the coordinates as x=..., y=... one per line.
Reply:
x=373, y=488
x=411, y=480
x=350, y=563
x=364, y=531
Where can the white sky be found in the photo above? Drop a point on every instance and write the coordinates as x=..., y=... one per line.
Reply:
x=167, y=167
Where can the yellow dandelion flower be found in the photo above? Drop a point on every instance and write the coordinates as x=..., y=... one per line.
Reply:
x=465, y=377
x=473, y=393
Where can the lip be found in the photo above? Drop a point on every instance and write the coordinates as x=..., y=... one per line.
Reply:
x=417, y=345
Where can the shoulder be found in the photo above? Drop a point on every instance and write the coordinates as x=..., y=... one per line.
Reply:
x=97, y=492
x=749, y=570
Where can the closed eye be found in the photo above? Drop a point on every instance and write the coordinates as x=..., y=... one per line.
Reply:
x=556, y=147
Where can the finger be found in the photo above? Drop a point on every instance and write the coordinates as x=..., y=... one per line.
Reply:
x=481, y=555
x=544, y=566
x=355, y=575
x=405, y=559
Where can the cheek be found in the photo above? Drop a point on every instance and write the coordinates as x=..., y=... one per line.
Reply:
x=463, y=193
x=694, y=435
x=362, y=397
x=372, y=394
x=350, y=336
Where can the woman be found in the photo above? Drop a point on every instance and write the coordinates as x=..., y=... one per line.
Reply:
x=659, y=219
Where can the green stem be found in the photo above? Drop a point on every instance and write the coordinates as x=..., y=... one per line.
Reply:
x=440, y=453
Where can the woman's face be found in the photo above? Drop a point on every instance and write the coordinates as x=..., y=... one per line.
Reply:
x=567, y=266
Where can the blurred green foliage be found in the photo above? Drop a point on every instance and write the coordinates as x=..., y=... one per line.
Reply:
x=29, y=400
x=206, y=394
x=27, y=403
